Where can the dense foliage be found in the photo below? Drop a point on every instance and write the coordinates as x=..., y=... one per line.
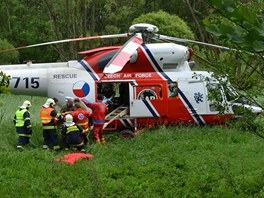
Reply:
x=240, y=26
x=234, y=24
x=168, y=24
x=3, y=83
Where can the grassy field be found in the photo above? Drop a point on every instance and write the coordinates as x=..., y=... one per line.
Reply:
x=166, y=162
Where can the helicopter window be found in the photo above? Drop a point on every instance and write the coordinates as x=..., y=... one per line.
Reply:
x=231, y=93
x=215, y=96
x=172, y=89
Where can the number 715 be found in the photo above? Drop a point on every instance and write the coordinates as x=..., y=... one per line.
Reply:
x=33, y=82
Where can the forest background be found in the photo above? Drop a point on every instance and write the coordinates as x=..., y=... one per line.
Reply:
x=236, y=24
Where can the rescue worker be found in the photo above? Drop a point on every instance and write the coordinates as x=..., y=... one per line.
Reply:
x=49, y=116
x=77, y=101
x=23, y=125
x=72, y=133
x=99, y=110
x=56, y=101
x=81, y=117
x=108, y=90
x=69, y=106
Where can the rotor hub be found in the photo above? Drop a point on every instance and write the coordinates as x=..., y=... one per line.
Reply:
x=144, y=27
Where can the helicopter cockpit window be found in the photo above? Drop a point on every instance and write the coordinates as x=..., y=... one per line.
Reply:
x=231, y=93
x=172, y=89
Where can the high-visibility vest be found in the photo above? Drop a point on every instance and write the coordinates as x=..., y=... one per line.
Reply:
x=20, y=121
x=45, y=115
x=71, y=129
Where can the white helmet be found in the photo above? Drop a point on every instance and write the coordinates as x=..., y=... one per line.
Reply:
x=26, y=104
x=68, y=118
x=49, y=103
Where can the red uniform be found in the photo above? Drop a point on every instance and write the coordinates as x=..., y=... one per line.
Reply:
x=81, y=117
x=98, y=116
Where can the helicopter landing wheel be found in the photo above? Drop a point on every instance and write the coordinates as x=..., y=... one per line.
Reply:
x=127, y=133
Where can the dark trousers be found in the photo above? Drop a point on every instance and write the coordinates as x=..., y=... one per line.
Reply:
x=74, y=141
x=23, y=136
x=50, y=137
x=22, y=141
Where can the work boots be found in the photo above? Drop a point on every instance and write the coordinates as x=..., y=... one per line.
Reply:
x=103, y=142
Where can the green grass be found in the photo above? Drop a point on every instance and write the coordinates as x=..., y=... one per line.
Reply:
x=166, y=162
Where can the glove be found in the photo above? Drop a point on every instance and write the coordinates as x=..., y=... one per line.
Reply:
x=108, y=100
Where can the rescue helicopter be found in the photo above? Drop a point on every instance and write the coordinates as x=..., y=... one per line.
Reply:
x=151, y=82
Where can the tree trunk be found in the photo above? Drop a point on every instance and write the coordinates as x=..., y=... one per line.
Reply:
x=198, y=26
x=56, y=30
x=8, y=18
x=92, y=22
x=83, y=9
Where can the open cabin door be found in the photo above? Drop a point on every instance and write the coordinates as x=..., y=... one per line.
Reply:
x=146, y=100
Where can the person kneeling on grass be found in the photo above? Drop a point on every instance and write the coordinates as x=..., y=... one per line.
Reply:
x=72, y=133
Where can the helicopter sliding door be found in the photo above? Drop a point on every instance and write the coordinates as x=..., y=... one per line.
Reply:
x=146, y=100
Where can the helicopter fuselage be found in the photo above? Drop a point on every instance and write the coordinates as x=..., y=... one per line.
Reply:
x=155, y=87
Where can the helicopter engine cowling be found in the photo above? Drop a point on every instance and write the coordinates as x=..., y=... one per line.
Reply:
x=170, y=56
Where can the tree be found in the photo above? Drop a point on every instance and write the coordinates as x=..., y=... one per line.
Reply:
x=8, y=57
x=168, y=24
x=240, y=26
x=26, y=22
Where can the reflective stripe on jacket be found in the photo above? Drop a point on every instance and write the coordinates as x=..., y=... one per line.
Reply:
x=71, y=129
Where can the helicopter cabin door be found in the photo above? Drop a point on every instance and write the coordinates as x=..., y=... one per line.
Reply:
x=196, y=96
x=146, y=101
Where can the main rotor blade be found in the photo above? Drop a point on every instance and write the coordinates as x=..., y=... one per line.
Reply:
x=192, y=41
x=202, y=43
x=69, y=40
x=117, y=63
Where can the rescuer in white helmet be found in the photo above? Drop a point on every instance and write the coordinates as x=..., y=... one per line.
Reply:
x=23, y=124
x=72, y=133
x=49, y=116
